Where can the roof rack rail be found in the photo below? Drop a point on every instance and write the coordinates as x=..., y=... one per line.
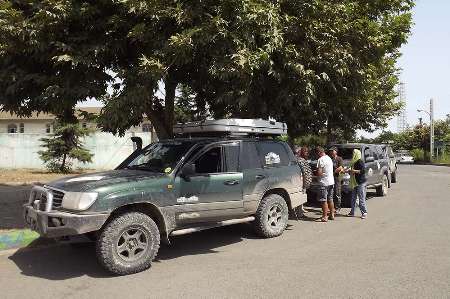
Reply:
x=231, y=127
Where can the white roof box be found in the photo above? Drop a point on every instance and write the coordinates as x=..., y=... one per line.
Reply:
x=233, y=126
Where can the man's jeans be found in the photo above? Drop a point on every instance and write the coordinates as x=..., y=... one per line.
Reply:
x=337, y=193
x=359, y=191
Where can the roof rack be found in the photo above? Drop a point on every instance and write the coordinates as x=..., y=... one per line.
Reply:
x=231, y=127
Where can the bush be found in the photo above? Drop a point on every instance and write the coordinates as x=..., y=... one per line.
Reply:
x=419, y=155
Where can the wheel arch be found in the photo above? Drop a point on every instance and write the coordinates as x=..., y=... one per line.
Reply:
x=283, y=193
x=146, y=208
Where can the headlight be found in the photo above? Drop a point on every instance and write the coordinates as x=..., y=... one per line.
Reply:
x=78, y=200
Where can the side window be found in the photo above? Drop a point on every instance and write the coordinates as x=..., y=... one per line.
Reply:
x=210, y=161
x=250, y=158
x=231, y=153
x=367, y=153
x=273, y=153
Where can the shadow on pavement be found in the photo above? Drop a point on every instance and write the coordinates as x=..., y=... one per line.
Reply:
x=65, y=262
x=12, y=197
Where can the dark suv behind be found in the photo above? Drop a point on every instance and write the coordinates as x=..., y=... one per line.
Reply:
x=377, y=170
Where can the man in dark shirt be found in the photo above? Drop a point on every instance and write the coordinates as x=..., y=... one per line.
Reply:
x=338, y=167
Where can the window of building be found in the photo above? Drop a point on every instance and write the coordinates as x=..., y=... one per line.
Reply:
x=12, y=128
x=48, y=128
x=22, y=128
x=146, y=127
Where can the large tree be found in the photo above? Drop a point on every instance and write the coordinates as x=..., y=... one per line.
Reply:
x=311, y=63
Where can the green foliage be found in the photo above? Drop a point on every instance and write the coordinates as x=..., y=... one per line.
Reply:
x=419, y=155
x=63, y=146
x=322, y=66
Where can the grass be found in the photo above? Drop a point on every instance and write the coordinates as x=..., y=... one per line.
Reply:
x=16, y=238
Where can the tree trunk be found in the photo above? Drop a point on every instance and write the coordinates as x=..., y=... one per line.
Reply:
x=63, y=164
x=163, y=118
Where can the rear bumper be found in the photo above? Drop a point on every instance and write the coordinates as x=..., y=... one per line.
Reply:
x=59, y=224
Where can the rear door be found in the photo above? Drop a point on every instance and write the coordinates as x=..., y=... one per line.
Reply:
x=371, y=166
x=256, y=182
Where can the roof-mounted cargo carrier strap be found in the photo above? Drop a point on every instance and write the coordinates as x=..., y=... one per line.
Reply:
x=231, y=127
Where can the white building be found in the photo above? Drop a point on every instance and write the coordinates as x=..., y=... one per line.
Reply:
x=20, y=141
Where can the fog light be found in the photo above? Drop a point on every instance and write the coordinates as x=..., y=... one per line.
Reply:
x=56, y=221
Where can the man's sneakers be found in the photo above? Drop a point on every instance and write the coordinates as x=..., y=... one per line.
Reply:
x=364, y=216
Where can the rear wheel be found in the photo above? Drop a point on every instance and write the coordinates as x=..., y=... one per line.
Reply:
x=272, y=216
x=128, y=243
x=382, y=190
x=394, y=177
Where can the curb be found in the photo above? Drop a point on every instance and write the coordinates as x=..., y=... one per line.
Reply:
x=17, y=238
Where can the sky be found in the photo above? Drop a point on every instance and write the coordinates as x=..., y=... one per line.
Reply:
x=425, y=63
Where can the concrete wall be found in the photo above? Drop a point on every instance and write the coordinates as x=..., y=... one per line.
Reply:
x=20, y=150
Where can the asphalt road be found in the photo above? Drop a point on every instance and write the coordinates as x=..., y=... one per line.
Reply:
x=401, y=251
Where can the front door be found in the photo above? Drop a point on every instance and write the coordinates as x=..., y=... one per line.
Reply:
x=372, y=167
x=214, y=192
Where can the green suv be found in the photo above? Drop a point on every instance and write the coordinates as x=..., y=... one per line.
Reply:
x=171, y=188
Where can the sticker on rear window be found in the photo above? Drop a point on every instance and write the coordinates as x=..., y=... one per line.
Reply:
x=272, y=158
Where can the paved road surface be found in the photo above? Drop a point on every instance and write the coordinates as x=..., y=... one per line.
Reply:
x=401, y=251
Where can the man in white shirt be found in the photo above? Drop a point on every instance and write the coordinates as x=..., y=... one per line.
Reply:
x=326, y=178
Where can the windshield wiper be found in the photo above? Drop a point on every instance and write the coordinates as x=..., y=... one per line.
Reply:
x=145, y=167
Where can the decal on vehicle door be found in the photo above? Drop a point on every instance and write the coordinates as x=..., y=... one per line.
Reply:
x=370, y=172
x=188, y=215
x=272, y=158
x=184, y=199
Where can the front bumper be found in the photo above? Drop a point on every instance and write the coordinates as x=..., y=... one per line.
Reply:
x=59, y=224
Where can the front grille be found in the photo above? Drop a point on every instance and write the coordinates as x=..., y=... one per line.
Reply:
x=57, y=198
x=42, y=197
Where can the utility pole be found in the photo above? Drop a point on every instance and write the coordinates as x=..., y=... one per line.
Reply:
x=431, y=115
x=431, y=129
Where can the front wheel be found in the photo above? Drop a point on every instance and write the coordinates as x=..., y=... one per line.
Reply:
x=383, y=189
x=272, y=216
x=128, y=243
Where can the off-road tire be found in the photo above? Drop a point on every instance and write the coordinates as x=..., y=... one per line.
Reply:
x=267, y=224
x=306, y=172
x=394, y=177
x=383, y=189
x=108, y=249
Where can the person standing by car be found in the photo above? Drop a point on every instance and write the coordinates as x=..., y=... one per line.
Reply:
x=325, y=195
x=302, y=156
x=358, y=183
x=338, y=168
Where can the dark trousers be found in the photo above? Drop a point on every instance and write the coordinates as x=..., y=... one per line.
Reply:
x=337, y=193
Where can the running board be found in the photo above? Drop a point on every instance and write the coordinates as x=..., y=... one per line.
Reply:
x=217, y=224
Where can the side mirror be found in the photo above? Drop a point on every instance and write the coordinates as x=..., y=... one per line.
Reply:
x=187, y=171
x=370, y=159
x=137, y=142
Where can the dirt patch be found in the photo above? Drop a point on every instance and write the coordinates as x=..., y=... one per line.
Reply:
x=30, y=176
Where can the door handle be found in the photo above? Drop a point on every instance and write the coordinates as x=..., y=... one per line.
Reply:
x=260, y=176
x=231, y=183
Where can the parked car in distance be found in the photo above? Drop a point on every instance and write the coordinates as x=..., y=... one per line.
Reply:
x=388, y=153
x=404, y=157
x=173, y=187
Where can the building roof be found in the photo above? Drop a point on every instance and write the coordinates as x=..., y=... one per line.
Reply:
x=45, y=116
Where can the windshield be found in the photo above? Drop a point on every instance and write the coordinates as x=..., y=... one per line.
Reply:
x=161, y=157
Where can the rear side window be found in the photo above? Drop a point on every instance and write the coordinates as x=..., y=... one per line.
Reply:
x=250, y=158
x=367, y=153
x=231, y=157
x=273, y=154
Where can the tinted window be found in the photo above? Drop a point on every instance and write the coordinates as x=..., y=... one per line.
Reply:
x=273, y=153
x=210, y=161
x=250, y=158
x=231, y=152
x=346, y=153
